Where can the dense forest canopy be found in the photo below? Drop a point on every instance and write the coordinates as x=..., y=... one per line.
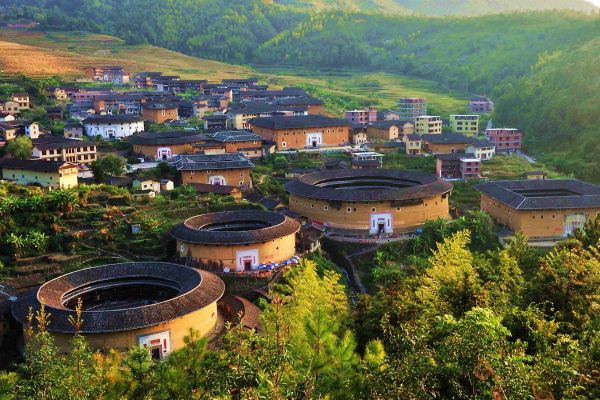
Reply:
x=508, y=56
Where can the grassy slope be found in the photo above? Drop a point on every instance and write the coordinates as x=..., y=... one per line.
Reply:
x=66, y=54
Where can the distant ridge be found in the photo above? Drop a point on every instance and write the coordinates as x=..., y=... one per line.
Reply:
x=443, y=7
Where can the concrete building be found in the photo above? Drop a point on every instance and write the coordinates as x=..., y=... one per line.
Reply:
x=359, y=138
x=243, y=113
x=219, y=169
x=160, y=113
x=362, y=117
x=409, y=108
x=48, y=174
x=367, y=159
x=73, y=130
x=413, y=144
x=216, y=122
x=311, y=131
x=467, y=125
x=22, y=100
x=482, y=149
x=506, y=140
x=110, y=73
x=481, y=105
x=541, y=209
x=148, y=304
x=236, y=241
x=52, y=148
x=369, y=201
x=113, y=126
x=458, y=166
x=428, y=124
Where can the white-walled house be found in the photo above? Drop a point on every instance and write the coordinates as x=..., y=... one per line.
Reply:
x=113, y=126
x=482, y=149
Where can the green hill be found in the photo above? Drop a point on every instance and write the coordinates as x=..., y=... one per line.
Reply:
x=443, y=7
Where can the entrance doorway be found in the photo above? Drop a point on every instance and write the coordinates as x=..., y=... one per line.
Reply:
x=156, y=352
x=247, y=265
x=380, y=223
x=314, y=140
x=246, y=260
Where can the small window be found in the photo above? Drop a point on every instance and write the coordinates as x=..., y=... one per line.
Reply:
x=348, y=210
x=325, y=208
x=373, y=209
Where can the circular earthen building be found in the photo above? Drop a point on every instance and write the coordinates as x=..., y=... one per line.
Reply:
x=236, y=241
x=370, y=201
x=149, y=304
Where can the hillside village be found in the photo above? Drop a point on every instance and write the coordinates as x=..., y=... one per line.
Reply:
x=140, y=173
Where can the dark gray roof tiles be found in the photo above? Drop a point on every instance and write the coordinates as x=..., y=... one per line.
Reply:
x=295, y=122
x=197, y=289
x=203, y=162
x=235, y=136
x=550, y=194
x=276, y=226
x=167, y=138
x=375, y=185
x=32, y=165
x=112, y=119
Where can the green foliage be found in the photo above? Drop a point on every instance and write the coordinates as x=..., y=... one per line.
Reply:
x=107, y=165
x=20, y=147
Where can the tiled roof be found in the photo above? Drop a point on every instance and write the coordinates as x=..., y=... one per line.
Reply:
x=52, y=142
x=215, y=117
x=32, y=165
x=276, y=226
x=294, y=122
x=255, y=107
x=388, y=123
x=299, y=101
x=235, y=136
x=160, y=106
x=197, y=289
x=448, y=138
x=203, y=162
x=454, y=156
x=550, y=194
x=112, y=119
x=203, y=188
x=166, y=138
x=379, y=185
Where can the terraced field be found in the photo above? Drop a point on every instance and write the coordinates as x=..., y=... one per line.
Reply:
x=66, y=54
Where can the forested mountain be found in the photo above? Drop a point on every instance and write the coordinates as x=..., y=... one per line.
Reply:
x=444, y=7
x=511, y=56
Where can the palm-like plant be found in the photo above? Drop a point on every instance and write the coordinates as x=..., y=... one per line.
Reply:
x=17, y=243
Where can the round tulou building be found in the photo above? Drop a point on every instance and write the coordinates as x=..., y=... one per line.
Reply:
x=149, y=304
x=370, y=201
x=236, y=241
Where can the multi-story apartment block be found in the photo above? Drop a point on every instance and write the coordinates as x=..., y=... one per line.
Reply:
x=409, y=108
x=467, y=125
x=428, y=124
x=362, y=117
x=506, y=140
x=481, y=105
x=52, y=148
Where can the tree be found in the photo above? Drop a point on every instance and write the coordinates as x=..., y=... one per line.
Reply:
x=107, y=165
x=20, y=147
x=451, y=285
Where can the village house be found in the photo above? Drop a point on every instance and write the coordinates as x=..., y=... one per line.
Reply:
x=55, y=113
x=48, y=174
x=389, y=147
x=541, y=209
x=367, y=159
x=241, y=115
x=119, y=103
x=52, y=148
x=506, y=140
x=215, y=122
x=387, y=115
x=146, y=185
x=389, y=129
x=447, y=143
x=73, y=130
x=113, y=126
x=22, y=99
x=413, y=144
x=164, y=145
x=409, y=108
x=11, y=107
x=159, y=113
x=536, y=175
x=362, y=117
x=83, y=99
x=467, y=125
x=113, y=74
x=6, y=117
x=57, y=93
x=232, y=169
x=482, y=149
x=221, y=190
x=481, y=105
x=7, y=131
x=312, y=131
x=313, y=106
x=267, y=95
x=428, y=124
x=359, y=138
x=458, y=166
x=247, y=143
